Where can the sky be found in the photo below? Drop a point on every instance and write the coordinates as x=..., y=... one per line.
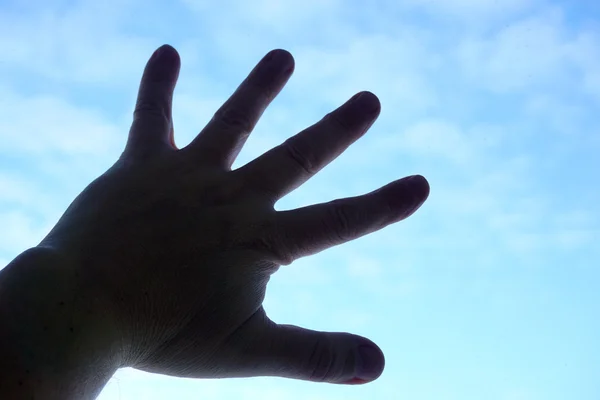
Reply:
x=490, y=291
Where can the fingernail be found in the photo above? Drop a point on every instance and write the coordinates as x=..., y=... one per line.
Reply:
x=163, y=65
x=419, y=191
x=162, y=50
x=418, y=185
x=365, y=102
x=279, y=60
x=369, y=364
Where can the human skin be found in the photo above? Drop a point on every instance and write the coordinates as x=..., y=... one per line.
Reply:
x=162, y=262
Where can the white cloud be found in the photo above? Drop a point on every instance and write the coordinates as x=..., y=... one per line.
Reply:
x=81, y=43
x=363, y=268
x=576, y=218
x=443, y=139
x=393, y=67
x=277, y=15
x=484, y=210
x=474, y=9
x=525, y=53
x=16, y=189
x=562, y=114
x=530, y=245
x=45, y=124
x=19, y=232
x=531, y=53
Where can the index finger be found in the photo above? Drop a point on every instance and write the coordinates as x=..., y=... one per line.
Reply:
x=151, y=131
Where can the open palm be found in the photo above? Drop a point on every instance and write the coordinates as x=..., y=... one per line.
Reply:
x=180, y=248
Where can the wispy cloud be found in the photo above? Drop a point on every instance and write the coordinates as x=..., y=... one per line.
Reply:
x=495, y=102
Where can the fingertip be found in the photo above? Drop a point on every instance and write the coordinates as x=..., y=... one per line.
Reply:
x=152, y=116
x=405, y=196
x=164, y=64
x=419, y=186
x=366, y=102
x=369, y=363
x=280, y=53
x=282, y=58
x=165, y=50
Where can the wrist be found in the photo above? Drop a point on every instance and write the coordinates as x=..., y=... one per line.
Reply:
x=56, y=338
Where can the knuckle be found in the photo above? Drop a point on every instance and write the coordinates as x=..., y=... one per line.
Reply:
x=283, y=259
x=321, y=360
x=146, y=109
x=276, y=252
x=301, y=159
x=236, y=119
x=340, y=220
x=267, y=240
x=282, y=255
x=265, y=92
x=335, y=118
x=388, y=214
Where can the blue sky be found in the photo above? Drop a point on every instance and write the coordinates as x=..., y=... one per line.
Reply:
x=489, y=292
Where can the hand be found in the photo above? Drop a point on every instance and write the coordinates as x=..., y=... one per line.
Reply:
x=178, y=248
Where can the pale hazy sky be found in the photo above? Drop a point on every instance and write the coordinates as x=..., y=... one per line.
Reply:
x=491, y=291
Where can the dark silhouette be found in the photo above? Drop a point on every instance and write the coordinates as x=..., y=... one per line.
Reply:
x=162, y=262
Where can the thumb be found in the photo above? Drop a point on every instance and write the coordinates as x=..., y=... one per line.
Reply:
x=293, y=352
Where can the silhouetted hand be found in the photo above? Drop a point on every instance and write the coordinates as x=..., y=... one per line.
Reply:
x=178, y=248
